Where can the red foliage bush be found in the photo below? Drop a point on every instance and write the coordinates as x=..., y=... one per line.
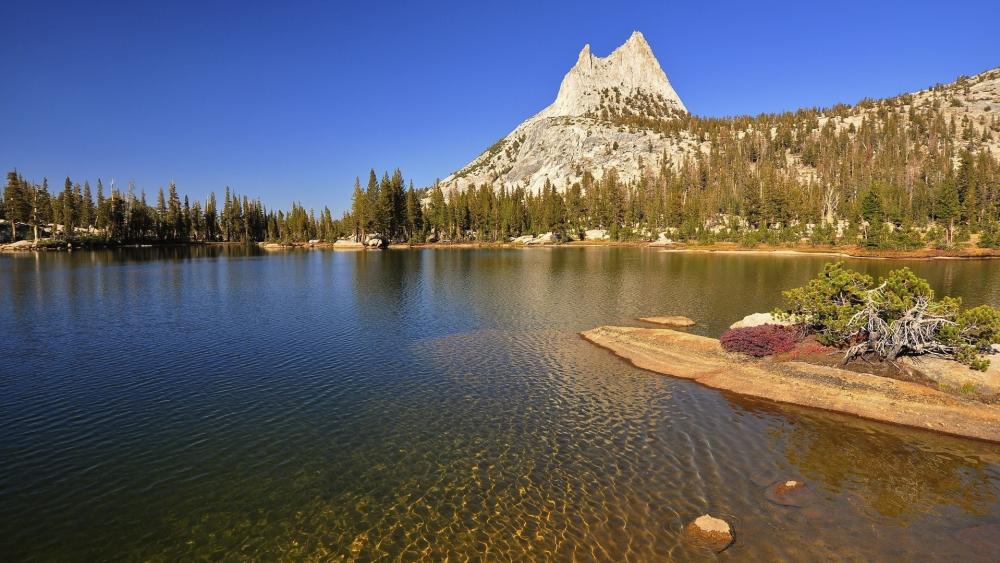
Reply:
x=760, y=341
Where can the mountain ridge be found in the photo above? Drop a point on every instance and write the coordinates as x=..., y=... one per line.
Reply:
x=613, y=112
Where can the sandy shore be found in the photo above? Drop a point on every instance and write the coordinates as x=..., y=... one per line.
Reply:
x=702, y=359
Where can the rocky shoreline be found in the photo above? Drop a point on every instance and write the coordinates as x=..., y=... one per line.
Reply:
x=870, y=396
x=966, y=253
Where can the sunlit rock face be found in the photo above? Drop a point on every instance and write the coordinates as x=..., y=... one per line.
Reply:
x=582, y=129
x=630, y=70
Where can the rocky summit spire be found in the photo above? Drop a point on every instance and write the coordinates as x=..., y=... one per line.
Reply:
x=582, y=129
x=629, y=70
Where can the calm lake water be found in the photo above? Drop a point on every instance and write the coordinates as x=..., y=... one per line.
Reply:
x=223, y=403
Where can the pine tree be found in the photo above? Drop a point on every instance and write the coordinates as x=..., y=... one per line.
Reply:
x=947, y=206
x=359, y=212
x=438, y=212
x=86, y=207
x=69, y=209
x=375, y=215
x=414, y=216
x=227, y=217
x=211, y=218
x=102, y=212
x=174, y=219
x=162, y=224
x=17, y=206
x=41, y=206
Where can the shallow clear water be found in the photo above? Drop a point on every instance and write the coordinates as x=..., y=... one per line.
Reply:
x=165, y=404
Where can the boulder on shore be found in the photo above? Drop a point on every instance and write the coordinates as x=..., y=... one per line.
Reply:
x=596, y=234
x=544, y=238
x=662, y=240
x=669, y=320
x=376, y=242
x=710, y=532
x=348, y=243
x=758, y=319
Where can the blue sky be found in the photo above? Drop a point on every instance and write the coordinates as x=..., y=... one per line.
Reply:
x=292, y=100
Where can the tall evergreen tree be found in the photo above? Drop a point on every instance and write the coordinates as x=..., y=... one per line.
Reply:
x=17, y=206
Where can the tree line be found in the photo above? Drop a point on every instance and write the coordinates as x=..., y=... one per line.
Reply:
x=125, y=217
x=895, y=173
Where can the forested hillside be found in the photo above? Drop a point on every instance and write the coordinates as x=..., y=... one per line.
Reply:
x=914, y=170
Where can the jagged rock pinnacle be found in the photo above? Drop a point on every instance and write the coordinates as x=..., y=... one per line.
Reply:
x=630, y=69
x=579, y=129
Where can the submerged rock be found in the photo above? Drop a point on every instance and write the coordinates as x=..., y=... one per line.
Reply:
x=764, y=478
x=985, y=537
x=790, y=493
x=710, y=532
x=669, y=320
x=758, y=319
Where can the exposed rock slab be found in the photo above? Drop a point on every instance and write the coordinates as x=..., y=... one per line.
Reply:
x=953, y=375
x=669, y=320
x=702, y=359
x=18, y=246
x=348, y=244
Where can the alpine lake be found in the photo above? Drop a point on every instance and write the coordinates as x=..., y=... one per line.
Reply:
x=227, y=403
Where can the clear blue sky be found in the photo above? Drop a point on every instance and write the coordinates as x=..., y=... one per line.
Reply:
x=292, y=100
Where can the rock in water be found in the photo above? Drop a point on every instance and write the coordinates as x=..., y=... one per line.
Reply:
x=710, y=532
x=790, y=493
x=669, y=320
x=579, y=130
